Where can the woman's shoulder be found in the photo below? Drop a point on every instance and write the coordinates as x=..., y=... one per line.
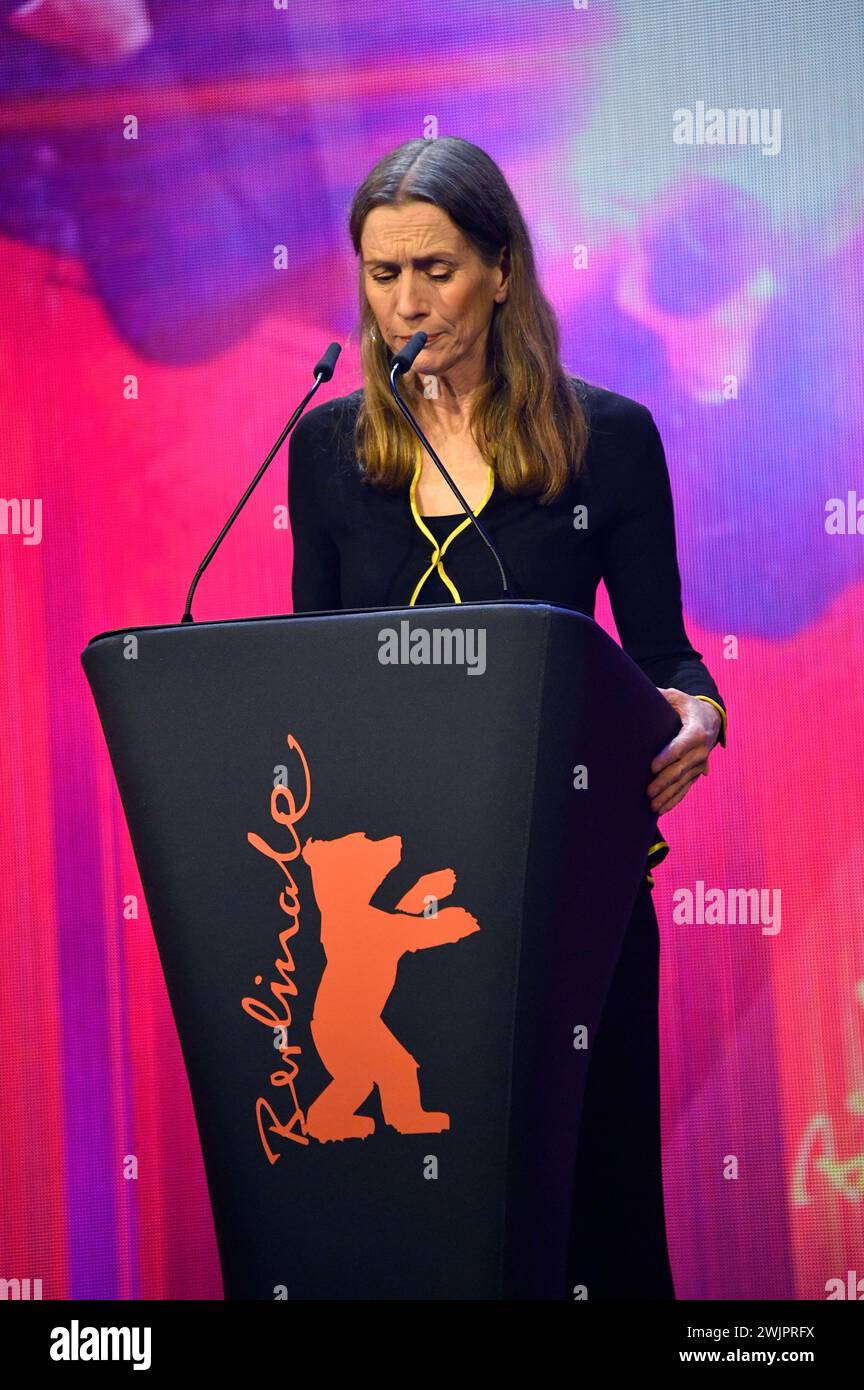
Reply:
x=624, y=462
x=323, y=439
x=611, y=414
x=331, y=417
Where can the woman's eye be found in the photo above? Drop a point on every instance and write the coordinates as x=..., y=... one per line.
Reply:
x=386, y=278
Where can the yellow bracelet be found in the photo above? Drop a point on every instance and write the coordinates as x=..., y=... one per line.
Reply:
x=721, y=737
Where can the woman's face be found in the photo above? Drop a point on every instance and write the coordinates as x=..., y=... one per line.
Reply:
x=420, y=272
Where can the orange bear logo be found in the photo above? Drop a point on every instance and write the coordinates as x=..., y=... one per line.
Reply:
x=363, y=946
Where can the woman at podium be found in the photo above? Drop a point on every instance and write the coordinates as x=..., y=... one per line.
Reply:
x=571, y=483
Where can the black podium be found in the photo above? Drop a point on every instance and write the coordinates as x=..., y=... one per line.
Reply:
x=389, y=858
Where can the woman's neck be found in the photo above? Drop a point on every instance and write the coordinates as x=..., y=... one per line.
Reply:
x=448, y=413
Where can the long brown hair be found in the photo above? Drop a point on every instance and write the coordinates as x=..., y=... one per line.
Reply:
x=527, y=420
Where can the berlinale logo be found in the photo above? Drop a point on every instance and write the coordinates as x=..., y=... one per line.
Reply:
x=363, y=946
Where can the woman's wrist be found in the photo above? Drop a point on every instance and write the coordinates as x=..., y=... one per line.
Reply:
x=719, y=716
x=710, y=720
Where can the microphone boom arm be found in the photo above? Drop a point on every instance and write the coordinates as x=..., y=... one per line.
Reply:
x=397, y=368
x=323, y=372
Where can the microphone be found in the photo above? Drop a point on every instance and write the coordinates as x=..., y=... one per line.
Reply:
x=403, y=362
x=323, y=372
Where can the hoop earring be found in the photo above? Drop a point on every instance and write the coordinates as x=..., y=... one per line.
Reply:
x=372, y=334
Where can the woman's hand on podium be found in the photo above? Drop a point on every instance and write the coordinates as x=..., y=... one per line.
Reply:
x=684, y=759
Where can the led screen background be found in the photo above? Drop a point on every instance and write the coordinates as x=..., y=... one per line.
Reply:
x=163, y=300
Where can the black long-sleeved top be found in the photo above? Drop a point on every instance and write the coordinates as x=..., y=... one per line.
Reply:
x=357, y=546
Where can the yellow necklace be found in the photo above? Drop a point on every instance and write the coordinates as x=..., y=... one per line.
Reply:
x=438, y=550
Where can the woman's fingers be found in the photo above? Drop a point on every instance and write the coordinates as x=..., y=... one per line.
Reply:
x=686, y=757
x=677, y=793
x=694, y=758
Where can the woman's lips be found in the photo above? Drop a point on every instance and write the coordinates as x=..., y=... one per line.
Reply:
x=431, y=338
